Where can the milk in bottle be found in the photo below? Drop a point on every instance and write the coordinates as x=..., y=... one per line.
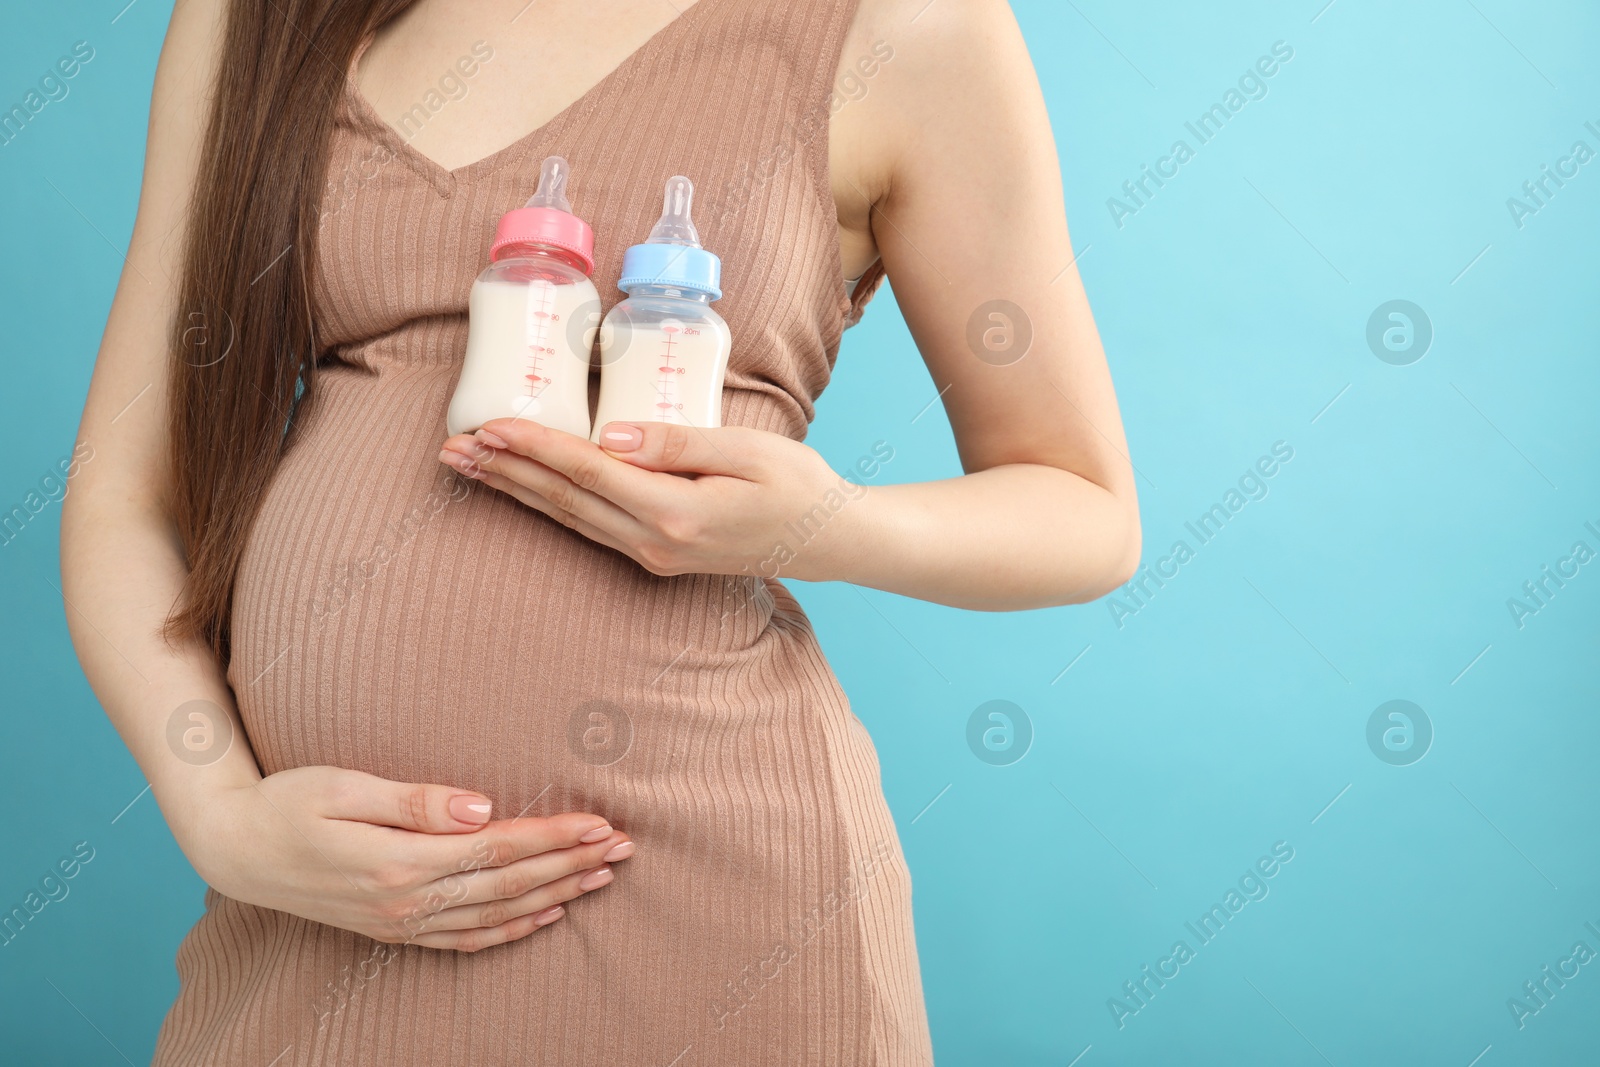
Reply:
x=663, y=351
x=527, y=350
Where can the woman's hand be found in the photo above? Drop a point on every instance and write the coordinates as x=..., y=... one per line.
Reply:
x=676, y=499
x=409, y=864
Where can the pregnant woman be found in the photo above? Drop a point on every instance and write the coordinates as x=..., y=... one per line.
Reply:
x=510, y=748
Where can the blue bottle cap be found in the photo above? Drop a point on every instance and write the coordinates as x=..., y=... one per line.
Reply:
x=672, y=255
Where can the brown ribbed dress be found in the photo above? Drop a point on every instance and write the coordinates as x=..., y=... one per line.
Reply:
x=393, y=618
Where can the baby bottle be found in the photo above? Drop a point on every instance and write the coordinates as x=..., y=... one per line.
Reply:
x=527, y=350
x=663, y=351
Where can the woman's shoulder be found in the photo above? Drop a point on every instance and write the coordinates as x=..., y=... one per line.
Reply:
x=906, y=66
x=931, y=31
x=181, y=96
x=134, y=356
x=193, y=44
x=921, y=59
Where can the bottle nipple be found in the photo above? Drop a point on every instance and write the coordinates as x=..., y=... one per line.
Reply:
x=552, y=186
x=672, y=255
x=675, y=227
x=545, y=221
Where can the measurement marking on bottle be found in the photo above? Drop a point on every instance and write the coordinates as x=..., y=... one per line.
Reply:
x=667, y=383
x=540, y=322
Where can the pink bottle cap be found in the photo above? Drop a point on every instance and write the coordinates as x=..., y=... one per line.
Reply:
x=547, y=219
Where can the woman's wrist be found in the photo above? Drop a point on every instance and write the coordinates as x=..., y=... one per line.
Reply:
x=847, y=536
x=192, y=801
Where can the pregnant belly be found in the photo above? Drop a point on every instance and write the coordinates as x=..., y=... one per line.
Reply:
x=392, y=617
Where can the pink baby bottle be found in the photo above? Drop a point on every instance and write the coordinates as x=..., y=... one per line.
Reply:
x=528, y=347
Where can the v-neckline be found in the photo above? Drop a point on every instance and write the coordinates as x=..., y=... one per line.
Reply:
x=445, y=179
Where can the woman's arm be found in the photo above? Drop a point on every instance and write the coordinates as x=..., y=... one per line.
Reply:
x=952, y=150
x=121, y=563
x=333, y=845
x=958, y=160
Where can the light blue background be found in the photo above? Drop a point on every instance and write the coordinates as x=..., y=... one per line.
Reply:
x=1223, y=717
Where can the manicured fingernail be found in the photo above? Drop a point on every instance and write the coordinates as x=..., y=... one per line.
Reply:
x=621, y=851
x=464, y=464
x=490, y=439
x=548, y=915
x=595, y=879
x=470, y=809
x=620, y=437
x=599, y=833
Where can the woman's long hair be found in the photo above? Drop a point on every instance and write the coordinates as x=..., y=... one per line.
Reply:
x=243, y=342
